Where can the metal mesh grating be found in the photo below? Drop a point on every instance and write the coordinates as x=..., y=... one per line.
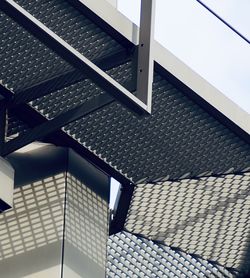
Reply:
x=25, y=60
x=178, y=139
x=207, y=216
x=132, y=256
x=71, y=25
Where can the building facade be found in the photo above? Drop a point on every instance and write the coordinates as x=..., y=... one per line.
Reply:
x=69, y=79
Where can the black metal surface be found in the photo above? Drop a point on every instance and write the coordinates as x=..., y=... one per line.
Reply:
x=115, y=134
x=102, y=24
x=3, y=206
x=64, y=99
x=73, y=27
x=60, y=138
x=5, y=92
x=180, y=138
x=25, y=61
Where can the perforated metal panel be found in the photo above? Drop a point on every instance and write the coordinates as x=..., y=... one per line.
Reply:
x=132, y=256
x=71, y=25
x=62, y=100
x=207, y=216
x=179, y=138
x=24, y=60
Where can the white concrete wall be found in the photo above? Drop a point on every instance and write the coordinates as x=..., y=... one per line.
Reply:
x=32, y=231
x=86, y=231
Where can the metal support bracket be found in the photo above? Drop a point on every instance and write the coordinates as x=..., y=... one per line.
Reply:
x=44, y=128
x=145, y=63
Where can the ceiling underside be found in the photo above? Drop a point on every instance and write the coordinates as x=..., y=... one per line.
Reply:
x=180, y=140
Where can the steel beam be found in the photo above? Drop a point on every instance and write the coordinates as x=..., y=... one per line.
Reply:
x=145, y=64
x=34, y=119
x=68, y=78
x=6, y=93
x=143, y=67
x=72, y=56
x=51, y=126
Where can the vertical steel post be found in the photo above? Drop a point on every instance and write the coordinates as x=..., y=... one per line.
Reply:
x=145, y=57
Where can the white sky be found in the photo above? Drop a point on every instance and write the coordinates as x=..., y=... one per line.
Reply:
x=114, y=189
x=203, y=42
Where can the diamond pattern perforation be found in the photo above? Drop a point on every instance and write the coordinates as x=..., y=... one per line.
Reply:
x=72, y=26
x=28, y=61
x=209, y=216
x=70, y=97
x=132, y=256
x=178, y=139
x=86, y=222
x=25, y=61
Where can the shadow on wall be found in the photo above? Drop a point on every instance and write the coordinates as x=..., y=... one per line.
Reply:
x=86, y=221
x=226, y=210
x=86, y=231
x=31, y=232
